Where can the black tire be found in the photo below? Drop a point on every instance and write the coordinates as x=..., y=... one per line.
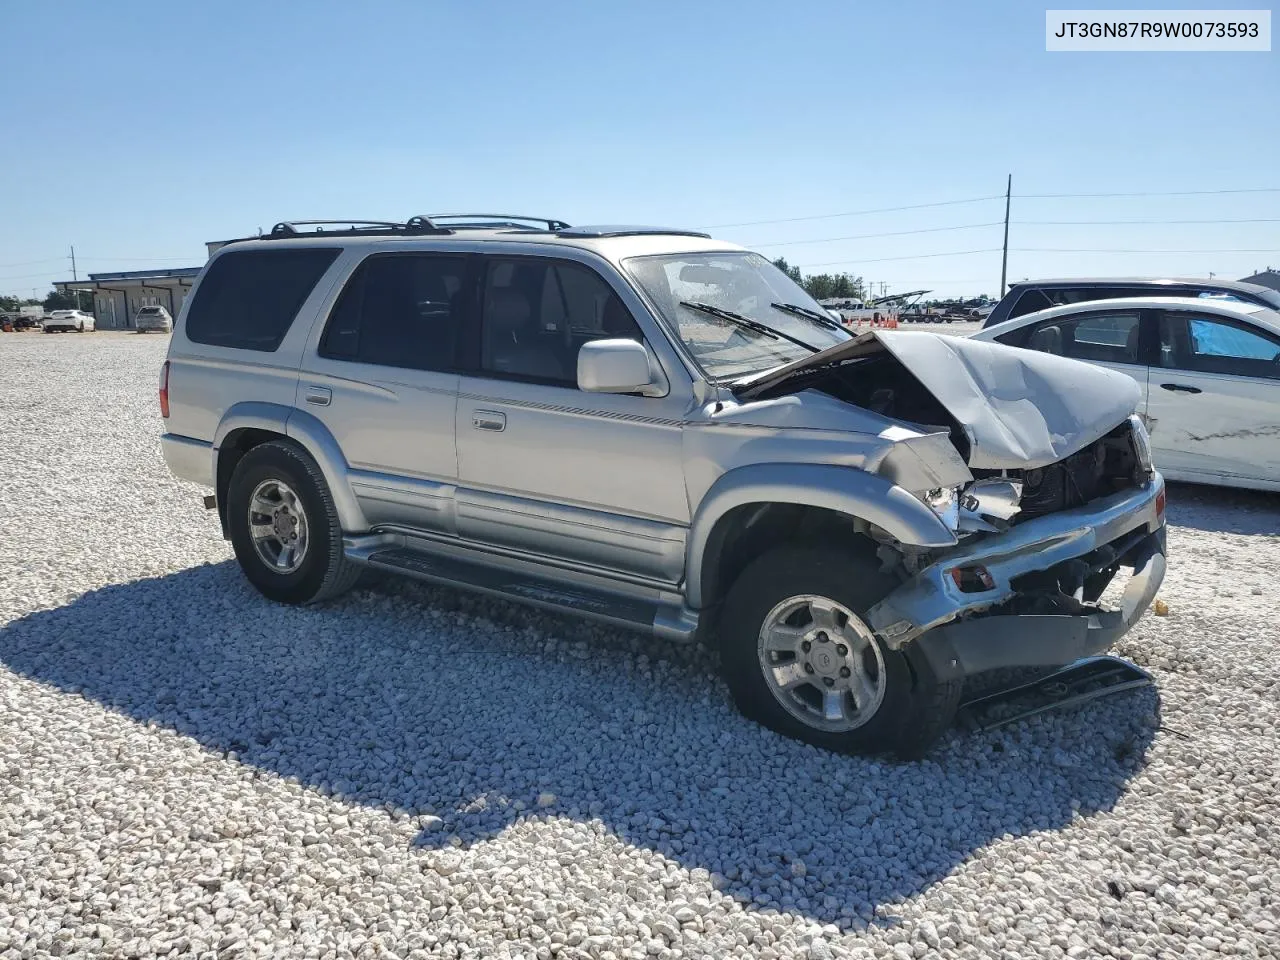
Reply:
x=916, y=708
x=324, y=572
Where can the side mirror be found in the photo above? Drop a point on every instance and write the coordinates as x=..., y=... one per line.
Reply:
x=613, y=366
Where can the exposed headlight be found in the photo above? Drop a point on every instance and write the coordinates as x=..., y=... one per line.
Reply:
x=945, y=503
x=1141, y=442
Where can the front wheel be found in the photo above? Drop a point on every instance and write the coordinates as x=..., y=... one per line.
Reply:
x=284, y=526
x=800, y=658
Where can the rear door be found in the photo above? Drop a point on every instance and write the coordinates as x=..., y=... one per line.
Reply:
x=239, y=339
x=1215, y=399
x=381, y=376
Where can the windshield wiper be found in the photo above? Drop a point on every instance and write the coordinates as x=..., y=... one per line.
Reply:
x=819, y=319
x=746, y=323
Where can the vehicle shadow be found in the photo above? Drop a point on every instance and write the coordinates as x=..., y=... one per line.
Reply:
x=1223, y=509
x=402, y=697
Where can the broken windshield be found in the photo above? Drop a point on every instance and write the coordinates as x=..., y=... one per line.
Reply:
x=689, y=288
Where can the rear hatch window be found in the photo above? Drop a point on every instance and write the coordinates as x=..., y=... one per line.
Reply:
x=248, y=299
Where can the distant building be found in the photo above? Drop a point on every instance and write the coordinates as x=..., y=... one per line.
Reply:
x=117, y=296
x=1267, y=278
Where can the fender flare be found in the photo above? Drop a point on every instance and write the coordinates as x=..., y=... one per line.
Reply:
x=310, y=434
x=842, y=489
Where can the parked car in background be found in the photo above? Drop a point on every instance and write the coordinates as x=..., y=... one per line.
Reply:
x=65, y=321
x=28, y=317
x=1209, y=370
x=663, y=431
x=1030, y=296
x=19, y=321
x=149, y=319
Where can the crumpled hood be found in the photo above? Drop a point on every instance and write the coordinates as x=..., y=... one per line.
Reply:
x=1019, y=408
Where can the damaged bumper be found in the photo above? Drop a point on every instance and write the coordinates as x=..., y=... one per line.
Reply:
x=960, y=611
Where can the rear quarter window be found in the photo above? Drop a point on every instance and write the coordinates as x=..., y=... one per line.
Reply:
x=1029, y=301
x=248, y=299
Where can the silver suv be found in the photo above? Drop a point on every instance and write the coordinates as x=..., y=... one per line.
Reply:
x=662, y=431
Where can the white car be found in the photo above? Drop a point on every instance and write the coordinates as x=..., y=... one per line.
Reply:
x=1209, y=369
x=153, y=318
x=64, y=321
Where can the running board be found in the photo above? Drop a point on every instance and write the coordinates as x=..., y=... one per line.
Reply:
x=635, y=613
x=1074, y=684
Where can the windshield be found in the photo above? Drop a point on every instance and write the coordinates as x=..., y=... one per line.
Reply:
x=683, y=286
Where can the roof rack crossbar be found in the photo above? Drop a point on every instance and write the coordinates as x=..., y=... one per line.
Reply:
x=352, y=227
x=551, y=224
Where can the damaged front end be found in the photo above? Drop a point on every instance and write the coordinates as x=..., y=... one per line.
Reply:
x=1041, y=471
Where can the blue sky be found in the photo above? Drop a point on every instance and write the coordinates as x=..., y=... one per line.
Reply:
x=142, y=130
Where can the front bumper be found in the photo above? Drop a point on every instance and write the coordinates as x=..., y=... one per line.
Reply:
x=963, y=632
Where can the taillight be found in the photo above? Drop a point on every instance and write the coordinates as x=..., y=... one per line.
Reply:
x=1161, y=501
x=164, y=390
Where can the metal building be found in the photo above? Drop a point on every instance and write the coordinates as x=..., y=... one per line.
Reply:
x=117, y=296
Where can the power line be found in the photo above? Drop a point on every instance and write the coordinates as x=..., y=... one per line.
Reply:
x=27, y=263
x=1001, y=196
x=920, y=256
x=1170, y=193
x=1127, y=250
x=869, y=236
x=965, y=253
x=857, y=213
x=122, y=259
x=26, y=276
x=1113, y=223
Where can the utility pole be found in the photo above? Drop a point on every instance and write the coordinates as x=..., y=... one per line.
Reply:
x=1004, y=259
x=74, y=276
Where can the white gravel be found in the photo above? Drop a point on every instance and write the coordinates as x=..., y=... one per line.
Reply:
x=188, y=770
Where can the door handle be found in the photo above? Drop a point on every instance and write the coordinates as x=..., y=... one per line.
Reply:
x=318, y=395
x=1180, y=388
x=490, y=420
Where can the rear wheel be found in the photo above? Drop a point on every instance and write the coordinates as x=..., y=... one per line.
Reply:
x=800, y=658
x=284, y=526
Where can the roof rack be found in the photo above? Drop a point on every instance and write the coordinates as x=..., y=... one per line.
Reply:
x=612, y=230
x=367, y=228
x=482, y=221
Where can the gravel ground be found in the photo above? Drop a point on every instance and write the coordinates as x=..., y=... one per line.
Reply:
x=188, y=770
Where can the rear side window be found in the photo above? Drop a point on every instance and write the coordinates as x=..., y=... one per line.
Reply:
x=1030, y=301
x=248, y=298
x=1099, y=337
x=399, y=310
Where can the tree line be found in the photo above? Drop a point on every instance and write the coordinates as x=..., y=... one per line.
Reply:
x=824, y=286
x=55, y=300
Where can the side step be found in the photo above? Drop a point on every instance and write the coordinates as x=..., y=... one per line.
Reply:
x=1074, y=684
x=581, y=600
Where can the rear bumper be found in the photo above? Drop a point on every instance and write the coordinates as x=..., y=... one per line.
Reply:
x=962, y=632
x=188, y=458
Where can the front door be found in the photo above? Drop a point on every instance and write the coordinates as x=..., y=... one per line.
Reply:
x=380, y=377
x=1215, y=399
x=592, y=479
